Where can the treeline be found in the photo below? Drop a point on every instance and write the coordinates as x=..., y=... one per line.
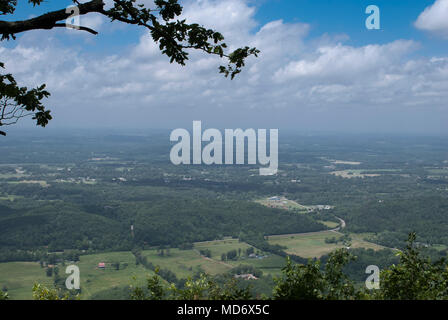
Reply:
x=246, y=269
x=163, y=273
x=93, y=219
x=10, y=255
x=42, y=256
x=261, y=244
x=202, y=220
x=356, y=268
x=391, y=220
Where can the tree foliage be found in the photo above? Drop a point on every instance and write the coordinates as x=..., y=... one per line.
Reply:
x=415, y=277
x=174, y=36
x=4, y=295
x=19, y=102
x=202, y=288
x=310, y=282
x=41, y=292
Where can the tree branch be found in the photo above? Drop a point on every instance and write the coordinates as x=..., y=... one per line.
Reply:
x=48, y=20
x=71, y=26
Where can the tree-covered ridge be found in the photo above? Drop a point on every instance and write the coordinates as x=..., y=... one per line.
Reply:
x=394, y=218
x=163, y=218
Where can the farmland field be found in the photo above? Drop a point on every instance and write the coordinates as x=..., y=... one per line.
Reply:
x=308, y=245
x=185, y=263
x=313, y=245
x=94, y=280
x=19, y=277
x=219, y=247
x=267, y=262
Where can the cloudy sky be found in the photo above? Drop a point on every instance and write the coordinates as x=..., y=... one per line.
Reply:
x=320, y=69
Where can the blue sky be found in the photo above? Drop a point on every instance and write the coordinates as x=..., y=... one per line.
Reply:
x=347, y=17
x=320, y=68
x=324, y=16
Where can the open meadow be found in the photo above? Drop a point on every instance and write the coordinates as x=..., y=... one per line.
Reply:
x=313, y=245
x=18, y=277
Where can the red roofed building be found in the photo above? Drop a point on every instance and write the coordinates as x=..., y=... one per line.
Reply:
x=101, y=265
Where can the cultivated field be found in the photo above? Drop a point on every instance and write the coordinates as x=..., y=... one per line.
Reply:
x=219, y=247
x=307, y=245
x=266, y=262
x=94, y=280
x=19, y=277
x=185, y=263
x=313, y=245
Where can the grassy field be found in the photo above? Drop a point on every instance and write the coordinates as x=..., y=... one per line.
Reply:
x=283, y=203
x=358, y=242
x=19, y=277
x=270, y=264
x=185, y=263
x=313, y=245
x=352, y=163
x=42, y=183
x=219, y=247
x=94, y=280
x=307, y=245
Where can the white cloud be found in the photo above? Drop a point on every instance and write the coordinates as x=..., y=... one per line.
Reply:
x=294, y=78
x=93, y=21
x=233, y=18
x=341, y=63
x=434, y=18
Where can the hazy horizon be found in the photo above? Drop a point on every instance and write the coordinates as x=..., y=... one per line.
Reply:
x=319, y=69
